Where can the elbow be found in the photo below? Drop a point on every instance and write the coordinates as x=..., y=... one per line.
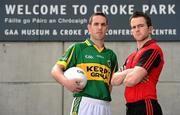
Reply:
x=53, y=72
x=117, y=79
x=114, y=83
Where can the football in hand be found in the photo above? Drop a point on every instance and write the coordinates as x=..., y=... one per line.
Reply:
x=76, y=73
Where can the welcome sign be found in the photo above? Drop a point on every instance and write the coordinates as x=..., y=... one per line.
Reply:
x=60, y=20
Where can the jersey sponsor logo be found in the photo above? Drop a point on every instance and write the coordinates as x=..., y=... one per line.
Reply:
x=96, y=72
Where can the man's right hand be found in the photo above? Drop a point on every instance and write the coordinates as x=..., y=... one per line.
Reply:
x=73, y=85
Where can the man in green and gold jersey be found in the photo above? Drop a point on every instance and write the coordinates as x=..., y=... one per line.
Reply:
x=98, y=62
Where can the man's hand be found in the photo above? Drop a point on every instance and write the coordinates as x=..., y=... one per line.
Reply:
x=145, y=79
x=73, y=85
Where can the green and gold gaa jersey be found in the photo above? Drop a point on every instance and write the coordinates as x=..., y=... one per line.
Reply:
x=99, y=65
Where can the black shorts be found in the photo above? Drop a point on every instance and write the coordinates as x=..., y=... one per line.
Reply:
x=144, y=107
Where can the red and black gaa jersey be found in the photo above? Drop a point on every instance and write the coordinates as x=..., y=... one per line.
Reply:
x=150, y=57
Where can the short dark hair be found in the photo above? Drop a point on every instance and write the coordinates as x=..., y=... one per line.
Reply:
x=141, y=14
x=98, y=14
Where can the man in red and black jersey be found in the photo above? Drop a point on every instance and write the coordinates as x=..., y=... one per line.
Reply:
x=142, y=69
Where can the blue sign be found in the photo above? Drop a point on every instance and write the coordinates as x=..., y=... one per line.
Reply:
x=59, y=20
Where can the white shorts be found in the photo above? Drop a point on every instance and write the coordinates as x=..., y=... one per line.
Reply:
x=90, y=106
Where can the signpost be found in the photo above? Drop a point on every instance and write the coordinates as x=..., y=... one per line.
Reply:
x=57, y=20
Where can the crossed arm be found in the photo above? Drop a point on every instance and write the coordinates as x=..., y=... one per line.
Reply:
x=129, y=77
